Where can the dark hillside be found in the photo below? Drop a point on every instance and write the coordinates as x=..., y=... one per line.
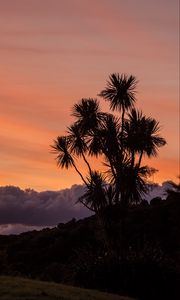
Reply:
x=73, y=253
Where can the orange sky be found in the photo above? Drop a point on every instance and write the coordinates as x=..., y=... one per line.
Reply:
x=53, y=53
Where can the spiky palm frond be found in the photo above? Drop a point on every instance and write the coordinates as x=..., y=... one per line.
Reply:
x=120, y=91
x=95, y=195
x=110, y=133
x=95, y=143
x=61, y=147
x=135, y=182
x=142, y=134
x=85, y=107
x=78, y=143
x=88, y=114
x=134, y=131
x=154, y=141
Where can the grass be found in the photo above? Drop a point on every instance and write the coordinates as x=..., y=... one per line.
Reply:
x=14, y=288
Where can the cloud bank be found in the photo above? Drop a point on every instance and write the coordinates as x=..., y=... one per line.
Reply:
x=24, y=210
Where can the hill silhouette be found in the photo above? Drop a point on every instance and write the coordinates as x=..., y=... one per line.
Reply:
x=73, y=253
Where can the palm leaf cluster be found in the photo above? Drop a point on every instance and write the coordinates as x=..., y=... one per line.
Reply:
x=121, y=141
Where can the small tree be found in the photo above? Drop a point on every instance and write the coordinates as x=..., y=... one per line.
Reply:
x=121, y=141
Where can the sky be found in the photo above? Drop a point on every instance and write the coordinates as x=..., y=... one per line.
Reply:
x=55, y=52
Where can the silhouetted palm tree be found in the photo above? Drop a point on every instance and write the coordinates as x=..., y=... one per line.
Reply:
x=121, y=143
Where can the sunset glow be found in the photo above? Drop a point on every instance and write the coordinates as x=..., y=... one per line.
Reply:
x=53, y=53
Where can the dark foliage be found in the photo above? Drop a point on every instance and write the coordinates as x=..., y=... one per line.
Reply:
x=75, y=253
x=121, y=141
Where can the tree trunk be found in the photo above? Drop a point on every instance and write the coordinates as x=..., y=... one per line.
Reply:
x=140, y=158
x=80, y=174
x=90, y=171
